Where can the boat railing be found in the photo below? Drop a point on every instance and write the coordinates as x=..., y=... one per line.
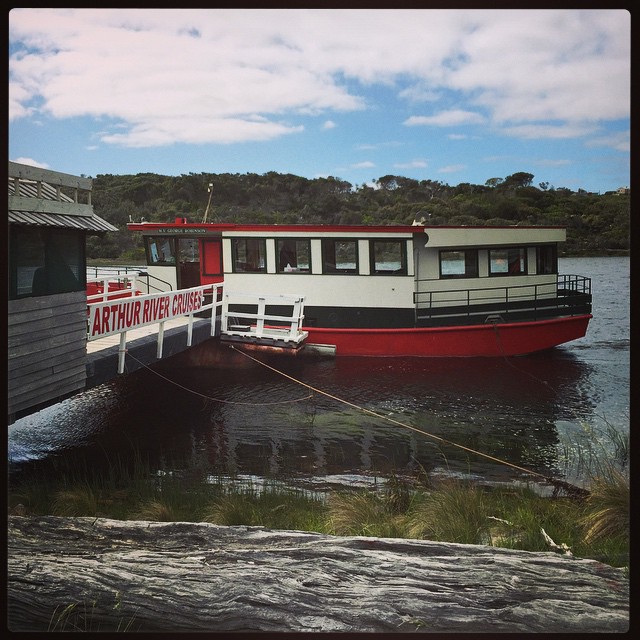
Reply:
x=128, y=313
x=107, y=283
x=573, y=283
x=569, y=293
x=256, y=317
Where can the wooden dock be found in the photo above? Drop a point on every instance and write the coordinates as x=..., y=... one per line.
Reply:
x=103, y=354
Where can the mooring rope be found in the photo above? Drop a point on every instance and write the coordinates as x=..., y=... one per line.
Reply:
x=554, y=481
x=212, y=399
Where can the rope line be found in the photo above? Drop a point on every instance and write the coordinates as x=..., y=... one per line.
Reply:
x=557, y=483
x=206, y=397
x=397, y=422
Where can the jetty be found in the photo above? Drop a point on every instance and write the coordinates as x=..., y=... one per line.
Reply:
x=67, y=331
x=70, y=329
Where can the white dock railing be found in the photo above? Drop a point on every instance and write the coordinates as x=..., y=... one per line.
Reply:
x=260, y=325
x=119, y=315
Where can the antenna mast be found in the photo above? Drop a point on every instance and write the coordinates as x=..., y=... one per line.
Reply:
x=206, y=211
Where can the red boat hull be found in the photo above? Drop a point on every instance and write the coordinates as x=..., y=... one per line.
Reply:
x=487, y=340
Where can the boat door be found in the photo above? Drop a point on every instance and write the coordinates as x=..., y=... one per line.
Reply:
x=188, y=263
x=211, y=269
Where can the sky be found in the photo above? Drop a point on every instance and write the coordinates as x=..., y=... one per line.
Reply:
x=449, y=95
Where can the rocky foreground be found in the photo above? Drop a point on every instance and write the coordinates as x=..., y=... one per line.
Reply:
x=153, y=576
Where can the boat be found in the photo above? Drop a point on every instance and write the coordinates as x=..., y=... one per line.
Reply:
x=405, y=290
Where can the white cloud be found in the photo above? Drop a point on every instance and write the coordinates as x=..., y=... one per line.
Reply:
x=159, y=76
x=551, y=163
x=454, y=117
x=367, y=164
x=414, y=164
x=329, y=124
x=452, y=168
x=619, y=141
x=548, y=131
x=31, y=162
x=377, y=146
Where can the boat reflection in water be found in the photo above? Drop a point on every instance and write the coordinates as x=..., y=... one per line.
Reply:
x=239, y=417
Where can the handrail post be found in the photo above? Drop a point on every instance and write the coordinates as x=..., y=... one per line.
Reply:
x=160, y=339
x=190, y=330
x=122, y=351
x=214, y=308
x=262, y=304
x=225, y=312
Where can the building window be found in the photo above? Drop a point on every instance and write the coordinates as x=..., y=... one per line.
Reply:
x=294, y=255
x=249, y=255
x=339, y=256
x=388, y=256
x=160, y=251
x=508, y=262
x=459, y=264
x=45, y=262
x=547, y=259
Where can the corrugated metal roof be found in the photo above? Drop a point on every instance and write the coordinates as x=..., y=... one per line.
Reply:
x=85, y=223
x=29, y=189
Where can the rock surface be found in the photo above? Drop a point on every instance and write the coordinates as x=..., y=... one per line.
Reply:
x=152, y=576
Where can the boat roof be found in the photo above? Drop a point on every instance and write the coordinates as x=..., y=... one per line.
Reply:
x=182, y=225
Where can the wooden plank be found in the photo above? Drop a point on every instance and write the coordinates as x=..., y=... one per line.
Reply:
x=52, y=321
x=35, y=393
x=25, y=203
x=32, y=397
x=46, y=377
x=46, y=302
x=38, y=174
x=39, y=346
x=65, y=325
x=23, y=366
x=20, y=316
x=46, y=349
x=38, y=371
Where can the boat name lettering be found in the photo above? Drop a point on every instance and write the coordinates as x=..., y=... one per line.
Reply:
x=134, y=312
x=174, y=230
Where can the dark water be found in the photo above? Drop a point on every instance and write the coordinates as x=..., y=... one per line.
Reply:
x=243, y=418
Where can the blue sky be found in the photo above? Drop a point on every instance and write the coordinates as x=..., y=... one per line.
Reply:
x=450, y=95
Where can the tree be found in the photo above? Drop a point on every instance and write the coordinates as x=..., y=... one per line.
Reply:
x=517, y=180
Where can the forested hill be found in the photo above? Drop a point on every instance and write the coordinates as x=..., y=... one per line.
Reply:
x=596, y=224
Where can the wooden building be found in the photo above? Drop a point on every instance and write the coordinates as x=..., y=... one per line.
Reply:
x=50, y=215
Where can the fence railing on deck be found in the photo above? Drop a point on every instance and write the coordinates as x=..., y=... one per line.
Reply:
x=260, y=324
x=125, y=312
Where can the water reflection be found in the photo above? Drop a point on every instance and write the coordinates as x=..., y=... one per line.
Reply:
x=246, y=419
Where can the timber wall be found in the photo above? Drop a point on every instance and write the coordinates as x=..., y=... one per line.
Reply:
x=46, y=350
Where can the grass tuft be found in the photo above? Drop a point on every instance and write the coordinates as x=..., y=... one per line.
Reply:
x=608, y=508
x=76, y=502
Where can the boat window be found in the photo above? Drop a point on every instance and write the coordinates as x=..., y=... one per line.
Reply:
x=547, y=259
x=160, y=250
x=188, y=250
x=388, y=256
x=249, y=255
x=339, y=256
x=459, y=264
x=44, y=262
x=294, y=255
x=508, y=262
